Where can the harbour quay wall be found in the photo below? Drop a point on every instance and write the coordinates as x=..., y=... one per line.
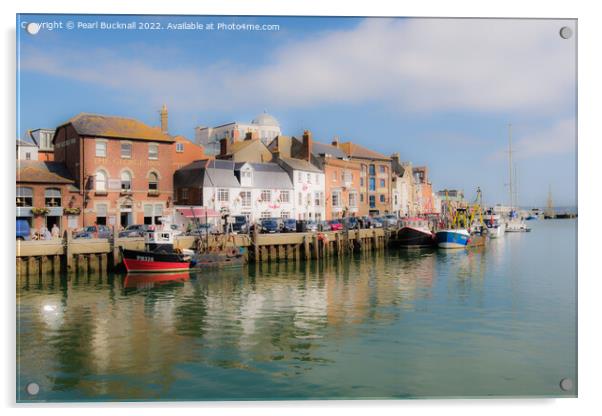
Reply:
x=94, y=255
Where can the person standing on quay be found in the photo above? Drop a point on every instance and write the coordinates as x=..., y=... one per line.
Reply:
x=55, y=232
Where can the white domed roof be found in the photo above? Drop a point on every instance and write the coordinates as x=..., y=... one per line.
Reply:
x=265, y=119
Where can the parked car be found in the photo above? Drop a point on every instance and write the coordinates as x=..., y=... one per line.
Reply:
x=240, y=224
x=351, y=223
x=202, y=230
x=311, y=226
x=324, y=226
x=133, y=230
x=390, y=220
x=93, y=231
x=335, y=225
x=376, y=222
x=269, y=225
x=23, y=229
x=289, y=225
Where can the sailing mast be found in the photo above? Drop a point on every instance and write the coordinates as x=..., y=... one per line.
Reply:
x=510, y=166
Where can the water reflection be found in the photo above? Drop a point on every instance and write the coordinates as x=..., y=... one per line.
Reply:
x=259, y=331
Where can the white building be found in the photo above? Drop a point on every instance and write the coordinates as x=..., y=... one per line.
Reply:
x=308, y=187
x=264, y=127
x=256, y=190
x=403, y=187
x=26, y=150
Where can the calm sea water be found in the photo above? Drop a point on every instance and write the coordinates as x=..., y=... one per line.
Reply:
x=500, y=321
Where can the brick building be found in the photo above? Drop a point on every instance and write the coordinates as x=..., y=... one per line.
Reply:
x=375, y=178
x=341, y=176
x=122, y=167
x=186, y=152
x=46, y=195
x=423, y=189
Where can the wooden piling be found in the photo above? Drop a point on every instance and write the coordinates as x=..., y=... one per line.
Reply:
x=21, y=267
x=68, y=250
x=103, y=263
x=45, y=265
x=56, y=264
x=93, y=263
x=82, y=264
x=33, y=267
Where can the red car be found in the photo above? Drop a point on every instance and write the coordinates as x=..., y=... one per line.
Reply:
x=335, y=225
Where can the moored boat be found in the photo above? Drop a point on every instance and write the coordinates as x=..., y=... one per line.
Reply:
x=159, y=254
x=452, y=238
x=142, y=261
x=415, y=233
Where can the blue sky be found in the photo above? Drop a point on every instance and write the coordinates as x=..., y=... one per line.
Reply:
x=441, y=92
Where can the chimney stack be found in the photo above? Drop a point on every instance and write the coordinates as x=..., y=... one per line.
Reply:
x=335, y=141
x=307, y=145
x=395, y=157
x=224, y=146
x=164, y=119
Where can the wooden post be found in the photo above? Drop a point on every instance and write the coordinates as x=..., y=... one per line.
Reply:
x=93, y=263
x=316, y=248
x=45, y=265
x=33, y=267
x=103, y=263
x=297, y=252
x=115, y=250
x=273, y=253
x=68, y=241
x=338, y=244
x=264, y=253
x=56, y=264
x=306, y=251
x=21, y=267
x=82, y=264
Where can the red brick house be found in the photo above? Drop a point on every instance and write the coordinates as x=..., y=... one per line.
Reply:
x=122, y=167
x=46, y=195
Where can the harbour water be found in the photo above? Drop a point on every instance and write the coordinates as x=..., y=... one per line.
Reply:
x=494, y=321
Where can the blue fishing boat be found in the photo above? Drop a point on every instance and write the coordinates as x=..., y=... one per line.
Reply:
x=452, y=238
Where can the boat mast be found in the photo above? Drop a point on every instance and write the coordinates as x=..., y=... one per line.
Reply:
x=510, y=165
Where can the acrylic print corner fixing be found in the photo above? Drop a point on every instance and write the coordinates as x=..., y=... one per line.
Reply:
x=268, y=208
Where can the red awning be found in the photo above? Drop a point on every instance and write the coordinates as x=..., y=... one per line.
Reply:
x=198, y=212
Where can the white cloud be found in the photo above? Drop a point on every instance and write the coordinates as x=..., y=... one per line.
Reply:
x=410, y=64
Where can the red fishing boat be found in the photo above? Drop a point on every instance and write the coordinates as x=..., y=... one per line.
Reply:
x=158, y=256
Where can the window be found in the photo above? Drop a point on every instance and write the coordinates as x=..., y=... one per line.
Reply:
x=382, y=183
x=284, y=215
x=372, y=201
x=266, y=195
x=245, y=197
x=361, y=182
x=126, y=181
x=372, y=186
x=101, y=214
x=372, y=170
x=382, y=169
x=101, y=148
x=363, y=170
x=24, y=197
x=180, y=147
x=299, y=177
x=265, y=214
x=52, y=197
x=28, y=156
x=246, y=174
x=223, y=195
x=158, y=213
x=153, y=151
x=309, y=178
x=285, y=196
x=353, y=199
x=361, y=197
x=300, y=199
x=382, y=198
x=317, y=179
x=101, y=181
x=153, y=182
x=126, y=150
x=317, y=199
x=184, y=193
x=336, y=199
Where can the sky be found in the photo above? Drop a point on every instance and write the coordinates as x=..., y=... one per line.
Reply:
x=440, y=92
